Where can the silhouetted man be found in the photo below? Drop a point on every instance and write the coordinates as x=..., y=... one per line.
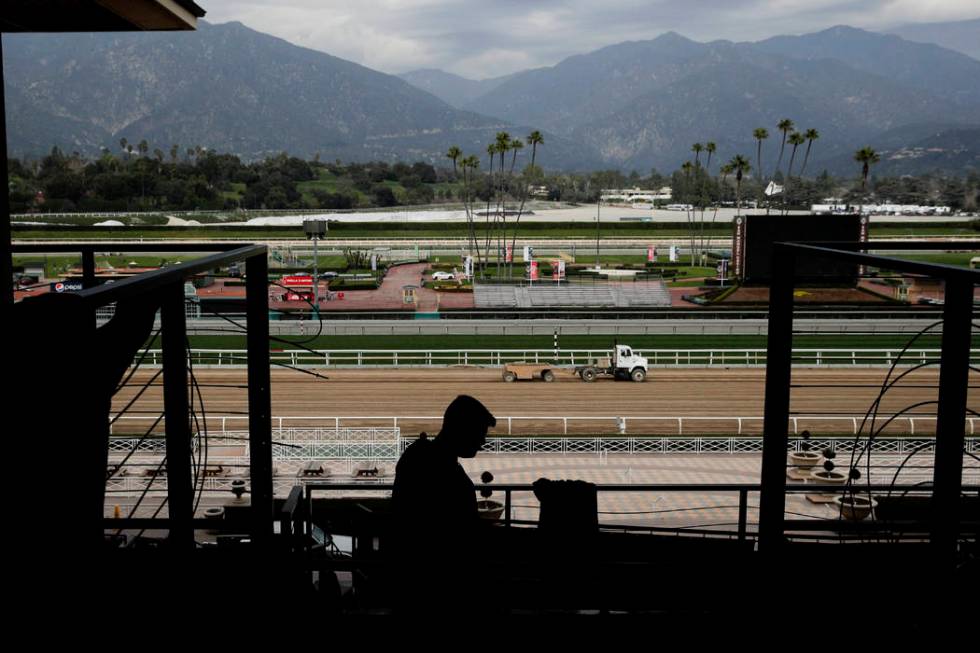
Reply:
x=434, y=506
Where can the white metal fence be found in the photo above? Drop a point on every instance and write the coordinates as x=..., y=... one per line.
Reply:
x=421, y=358
x=381, y=428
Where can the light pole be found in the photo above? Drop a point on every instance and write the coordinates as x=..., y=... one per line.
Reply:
x=597, y=206
x=315, y=230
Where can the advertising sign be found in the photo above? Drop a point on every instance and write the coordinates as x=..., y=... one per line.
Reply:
x=673, y=253
x=651, y=253
x=532, y=270
x=557, y=270
x=66, y=286
x=723, y=270
x=509, y=254
x=297, y=280
x=738, y=247
x=468, y=266
x=528, y=253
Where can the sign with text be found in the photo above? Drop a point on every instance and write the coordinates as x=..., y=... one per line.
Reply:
x=67, y=286
x=532, y=270
x=651, y=254
x=297, y=280
x=557, y=270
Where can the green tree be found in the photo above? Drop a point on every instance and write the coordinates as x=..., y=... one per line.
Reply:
x=785, y=125
x=796, y=139
x=867, y=157
x=454, y=153
x=739, y=165
x=810, y=135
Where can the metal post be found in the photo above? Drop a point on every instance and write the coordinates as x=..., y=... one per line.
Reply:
x=88, y=269
x=772, y=499
x=6, y=273
x=316, y=280
x=743, y=508
x=951, y=417
x=259, y=400
x=180, y=492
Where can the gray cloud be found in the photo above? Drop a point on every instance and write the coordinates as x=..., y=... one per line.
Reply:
x=486, y=39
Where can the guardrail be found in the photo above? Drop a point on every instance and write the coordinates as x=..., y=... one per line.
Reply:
x=422, y=358
x=545, y=427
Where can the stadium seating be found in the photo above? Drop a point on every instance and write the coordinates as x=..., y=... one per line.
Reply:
x=598, y=295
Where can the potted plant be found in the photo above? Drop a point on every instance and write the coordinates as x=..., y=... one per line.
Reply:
x=827, y=475
x=486, y=507
x=804, y=459
x=854, y=506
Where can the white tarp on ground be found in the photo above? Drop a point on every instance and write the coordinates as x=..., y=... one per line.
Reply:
x=378, y=216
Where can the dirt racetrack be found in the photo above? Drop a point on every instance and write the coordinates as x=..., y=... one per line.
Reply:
x=538, y=407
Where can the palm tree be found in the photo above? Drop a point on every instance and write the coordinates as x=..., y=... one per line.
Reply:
x=697, y=148
x=810, y=135
x=740, y=165
x=760, y=135
x=503, y=146
x=470, y=163
x=515, y=145
x=726, y=169
x=687, y=167
x=867, y=157
x=785, y=125
x=454, y=153
x=492, y=151
x=534, y=139
x=796, y=139
x=710, y=147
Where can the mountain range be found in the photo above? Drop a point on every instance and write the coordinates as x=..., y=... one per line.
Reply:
x=962, y=35
x=633, y=105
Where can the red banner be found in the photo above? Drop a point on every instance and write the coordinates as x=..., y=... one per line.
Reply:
x=297, y=280
x=651, y=254
x=532, y=270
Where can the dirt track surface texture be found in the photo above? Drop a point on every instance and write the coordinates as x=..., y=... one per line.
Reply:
x=666, y=393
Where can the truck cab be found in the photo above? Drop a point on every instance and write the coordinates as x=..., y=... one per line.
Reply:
x=626, y=359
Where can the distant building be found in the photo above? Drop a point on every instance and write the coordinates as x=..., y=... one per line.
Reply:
x=636, y=195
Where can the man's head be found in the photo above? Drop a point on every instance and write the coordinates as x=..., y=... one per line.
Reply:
x=465, y=424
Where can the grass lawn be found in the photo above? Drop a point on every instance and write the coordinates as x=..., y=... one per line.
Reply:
x=55, y=266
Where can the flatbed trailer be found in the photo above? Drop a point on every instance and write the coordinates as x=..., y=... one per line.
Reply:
x=529, y=371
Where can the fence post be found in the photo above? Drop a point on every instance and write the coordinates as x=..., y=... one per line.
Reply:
x=743, y=505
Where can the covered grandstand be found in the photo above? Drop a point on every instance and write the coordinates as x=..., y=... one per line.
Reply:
x=591, y=295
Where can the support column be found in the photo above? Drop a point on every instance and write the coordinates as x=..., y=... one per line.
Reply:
x=259, y=398
x=779, y=352
x=180, y=491
x=951, y=417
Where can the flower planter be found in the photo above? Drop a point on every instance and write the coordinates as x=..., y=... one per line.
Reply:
x=855, y=508
x=489, y=509
x=829, y=478
x=804, y=459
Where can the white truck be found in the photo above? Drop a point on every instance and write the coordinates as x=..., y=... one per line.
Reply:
x=623, y=364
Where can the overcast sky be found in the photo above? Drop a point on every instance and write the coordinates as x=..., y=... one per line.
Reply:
x=496, y=37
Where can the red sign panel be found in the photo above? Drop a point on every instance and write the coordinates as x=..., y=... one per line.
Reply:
x=297, y=280
x=532, y=270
